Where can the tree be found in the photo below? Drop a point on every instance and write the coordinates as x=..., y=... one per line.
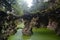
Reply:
x=39, y=5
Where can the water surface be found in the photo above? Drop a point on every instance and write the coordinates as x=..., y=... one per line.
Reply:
x=38, y=34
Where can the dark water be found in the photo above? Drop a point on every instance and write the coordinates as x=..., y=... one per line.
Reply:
x=39, y=34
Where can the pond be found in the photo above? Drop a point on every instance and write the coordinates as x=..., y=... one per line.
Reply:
x=38, y=34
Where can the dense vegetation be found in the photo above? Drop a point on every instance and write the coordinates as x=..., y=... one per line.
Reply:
x=35, y=16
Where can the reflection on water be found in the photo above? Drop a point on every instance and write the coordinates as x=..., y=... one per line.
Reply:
x=38, y=35
x=19, y=36
x=24, y=37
